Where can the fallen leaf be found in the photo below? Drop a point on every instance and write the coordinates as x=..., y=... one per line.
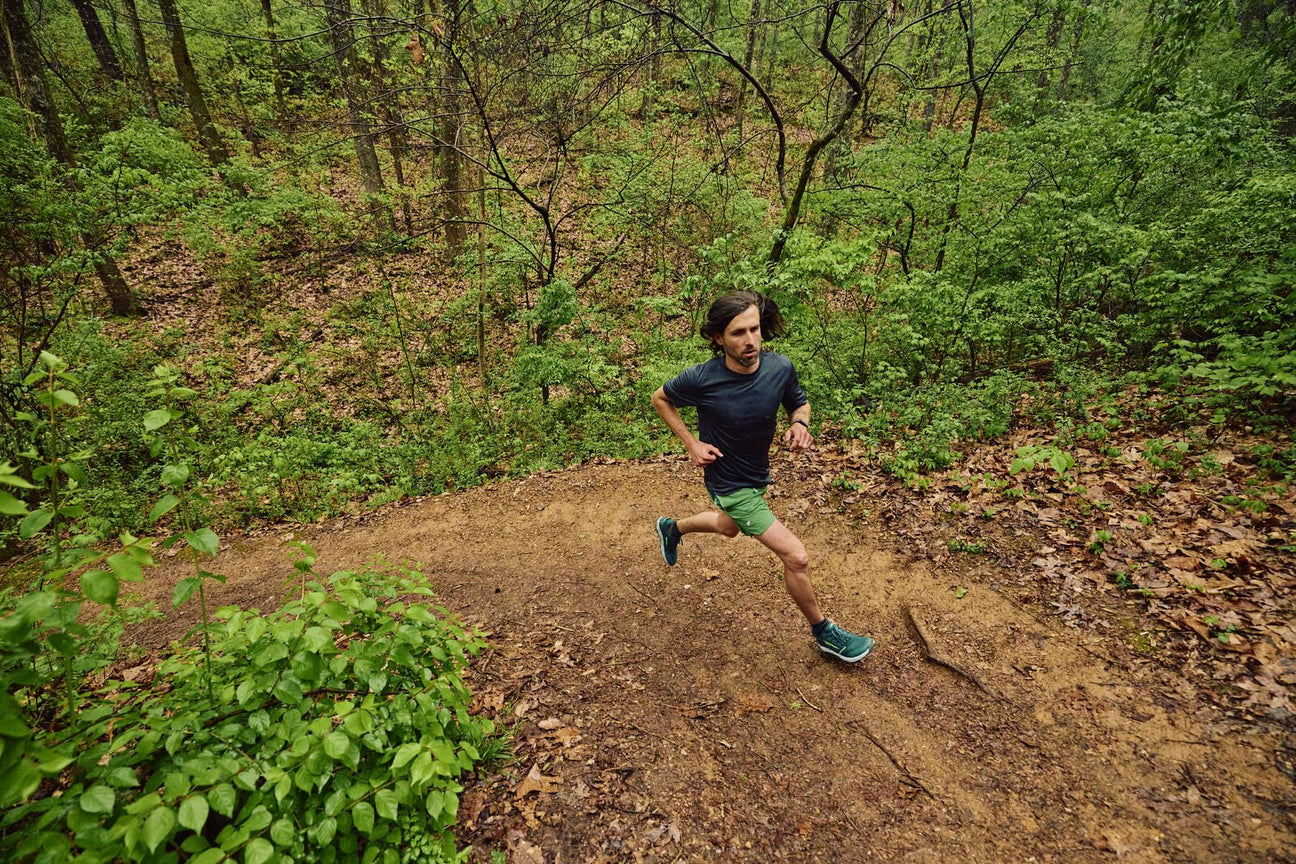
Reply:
x=567, y=736
x=536, y=782
x=522, y=851
x=1110, y=841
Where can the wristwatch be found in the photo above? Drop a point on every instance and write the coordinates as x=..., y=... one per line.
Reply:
x=803, y=423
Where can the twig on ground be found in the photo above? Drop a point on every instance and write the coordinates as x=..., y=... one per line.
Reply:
x=807, y=701
x=940, y=660
x=912, y=780
x=646, y=595
x=655, y=734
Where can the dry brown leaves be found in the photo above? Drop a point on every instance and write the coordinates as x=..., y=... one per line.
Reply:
x=1200, y=542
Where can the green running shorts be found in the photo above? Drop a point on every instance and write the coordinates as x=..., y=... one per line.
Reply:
x=747, y=507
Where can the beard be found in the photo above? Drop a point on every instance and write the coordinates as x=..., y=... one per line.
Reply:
x=746, y=361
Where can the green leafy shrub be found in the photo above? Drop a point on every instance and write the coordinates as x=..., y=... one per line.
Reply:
x=335, y=729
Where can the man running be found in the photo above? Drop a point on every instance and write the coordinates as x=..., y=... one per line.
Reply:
x=738, y=393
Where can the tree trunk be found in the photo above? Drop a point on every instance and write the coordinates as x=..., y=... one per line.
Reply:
x=208, y=137
x=142, y=76
x=1076, y=35
x=979, y=82
x=770, y=53
x=856, y=48
x=793, y=212
x=453, y=134
x=27, y=62
x=98, y=40
x=338, y=13
x=647, y=107
x=748, y=55
x=276, y=60
x=1054, y=38
x=249, y=131
x=385, y=96
x=7, y=68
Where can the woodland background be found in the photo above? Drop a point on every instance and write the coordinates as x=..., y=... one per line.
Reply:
x=290, y=260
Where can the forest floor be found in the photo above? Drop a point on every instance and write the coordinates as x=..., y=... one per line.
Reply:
x=1018, y=706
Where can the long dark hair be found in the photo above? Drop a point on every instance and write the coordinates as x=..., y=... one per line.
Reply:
x=731, y=305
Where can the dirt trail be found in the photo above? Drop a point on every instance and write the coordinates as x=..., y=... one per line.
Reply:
x=683, y=714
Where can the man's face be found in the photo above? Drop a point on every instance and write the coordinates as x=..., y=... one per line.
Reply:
x=741, y=341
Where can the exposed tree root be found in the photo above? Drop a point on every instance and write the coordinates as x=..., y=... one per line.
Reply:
x=910, y=779
x=933, y=656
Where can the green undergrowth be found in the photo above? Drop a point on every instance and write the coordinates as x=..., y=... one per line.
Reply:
x=335, y=728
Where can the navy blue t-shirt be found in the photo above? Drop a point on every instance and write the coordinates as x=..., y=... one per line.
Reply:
x=738, y=414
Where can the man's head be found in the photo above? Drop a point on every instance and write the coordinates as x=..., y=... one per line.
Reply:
x=737, y=322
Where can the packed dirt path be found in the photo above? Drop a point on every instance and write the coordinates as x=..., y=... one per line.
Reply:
x=683, y=713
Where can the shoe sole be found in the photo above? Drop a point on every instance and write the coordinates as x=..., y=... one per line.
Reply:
x=843, y=657
x=661, y=535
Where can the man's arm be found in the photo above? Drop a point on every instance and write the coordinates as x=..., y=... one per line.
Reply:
x=701, y=453
x=798, y=436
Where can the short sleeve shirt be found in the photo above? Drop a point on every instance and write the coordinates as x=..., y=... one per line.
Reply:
x=738, y=414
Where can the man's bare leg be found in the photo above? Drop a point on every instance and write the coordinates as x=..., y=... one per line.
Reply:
x=710, y=522
x=796, y=568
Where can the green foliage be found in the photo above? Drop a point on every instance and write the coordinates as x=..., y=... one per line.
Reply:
x=234, y=233
x=143, y=172
x=335, y=729
x=1030, y=456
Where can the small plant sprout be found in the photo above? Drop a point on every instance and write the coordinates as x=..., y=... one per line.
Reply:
x=846, y=483
x=1099, y=543
x=1031, y=456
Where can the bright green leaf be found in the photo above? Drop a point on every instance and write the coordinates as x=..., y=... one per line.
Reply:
x=282, y=832
x=35, y=521
x=259, y=850
x=193, y=812
x=11, y=506
x=154, y=420
x=126, y=567
x=19, y=782
x=204, y=540
x=10, y=477
x=222, y=799
x=325, y=830
x=404, y=754
x=75, y=471
x=164, y=506
x=100, y=586
x=336, y=744
x=158, y=827
x=97, y=799
x=175, y=476
x=184, y=589
x=387, y=803
x=362, y=814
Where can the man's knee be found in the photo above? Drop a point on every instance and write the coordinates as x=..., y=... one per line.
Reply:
x=796, y=559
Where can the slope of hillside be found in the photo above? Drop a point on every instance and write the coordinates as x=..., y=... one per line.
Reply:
x=683, y=714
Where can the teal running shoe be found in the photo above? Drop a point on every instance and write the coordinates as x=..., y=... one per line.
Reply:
x=843, y=644
x=669, y=547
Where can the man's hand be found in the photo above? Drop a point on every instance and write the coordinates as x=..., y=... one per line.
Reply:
x=798, y=438
x=703, y=454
